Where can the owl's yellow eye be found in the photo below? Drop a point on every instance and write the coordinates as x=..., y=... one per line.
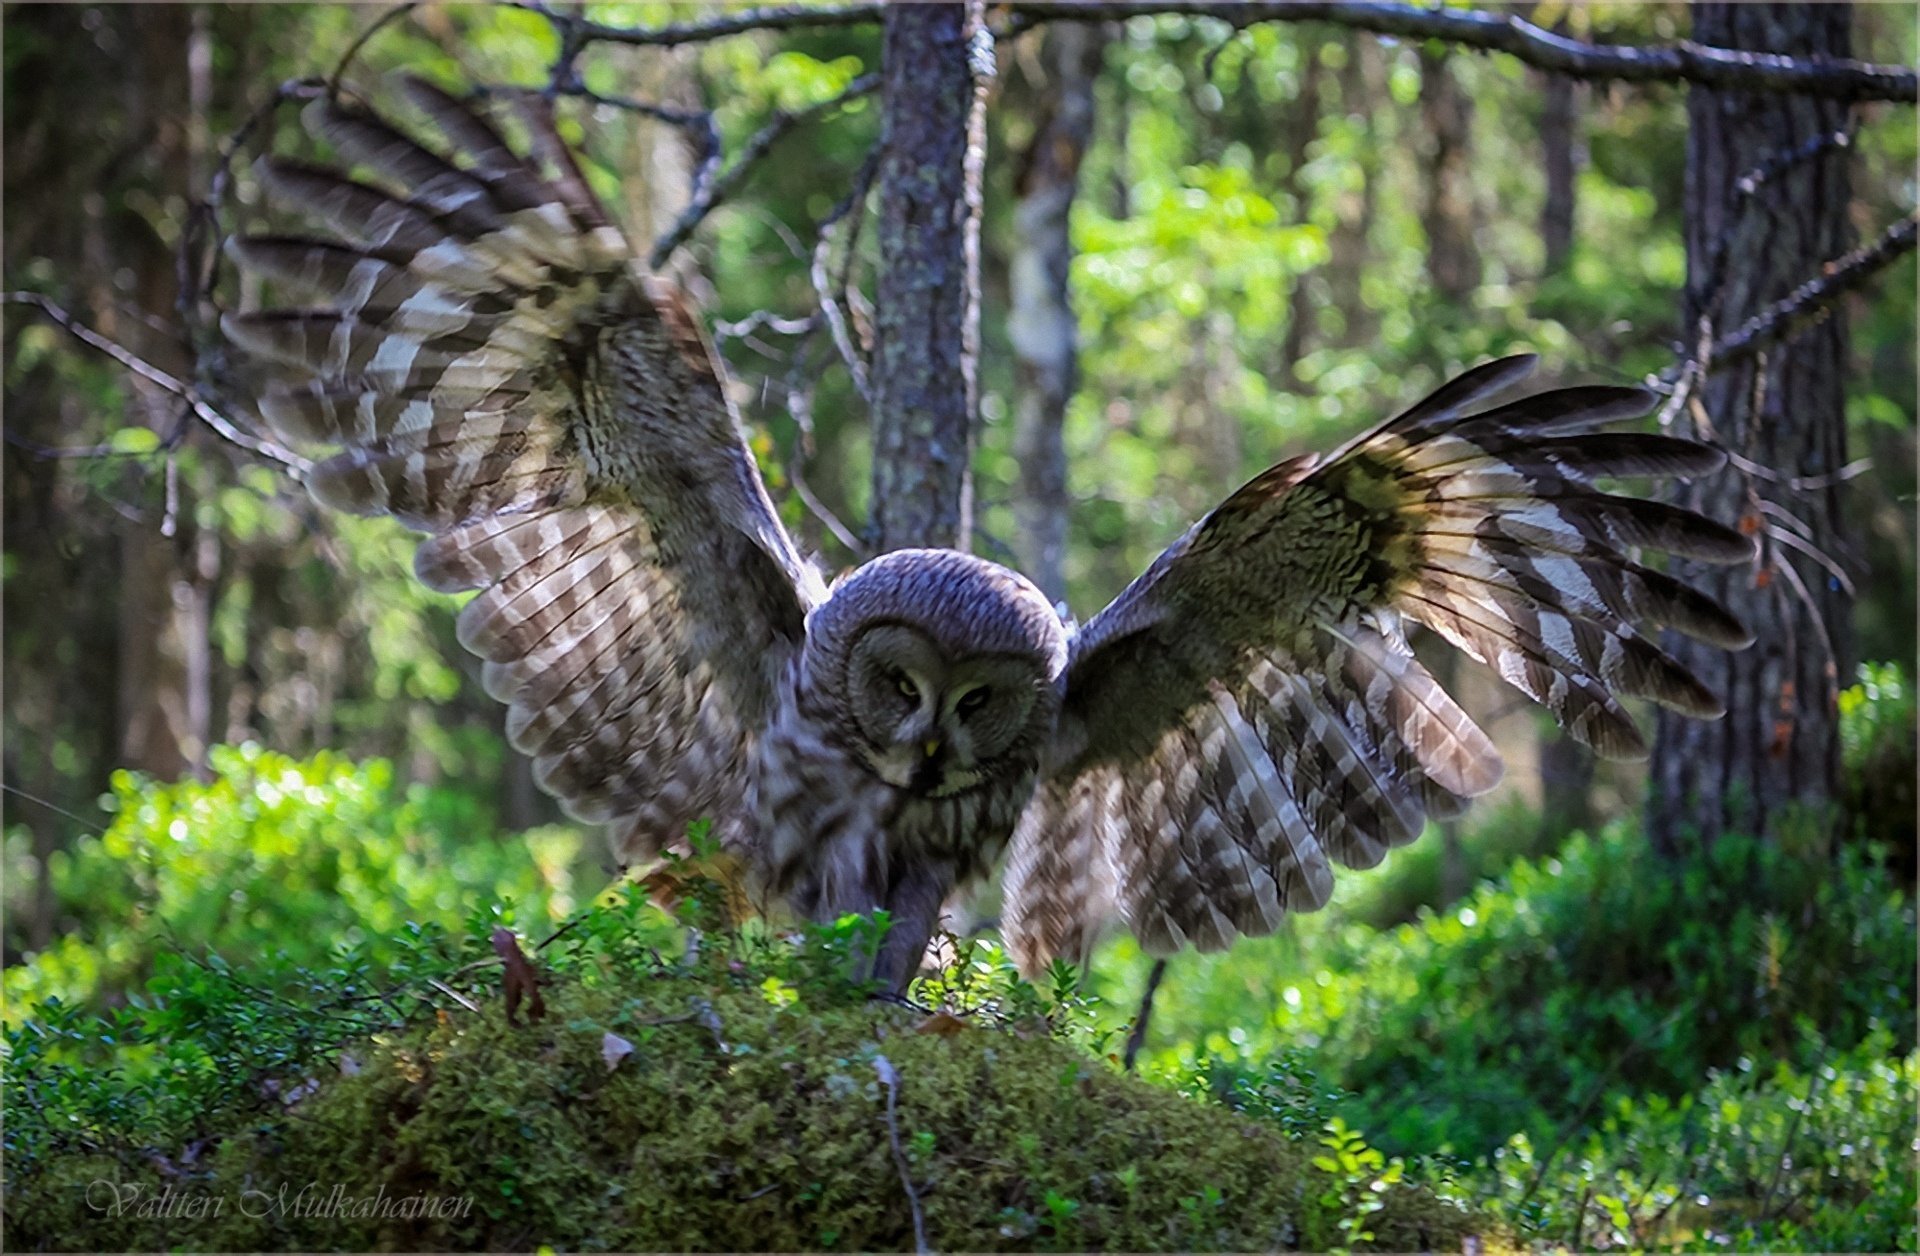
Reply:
x=904, y=683
x=970, y=701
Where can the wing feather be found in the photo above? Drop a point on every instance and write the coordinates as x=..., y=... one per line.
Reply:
x=481, y=359
x=1252, y=696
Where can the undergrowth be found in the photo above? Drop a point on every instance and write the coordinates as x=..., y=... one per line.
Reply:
x=684, y=1085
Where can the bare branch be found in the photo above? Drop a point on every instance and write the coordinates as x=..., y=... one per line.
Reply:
x=721, y=186
x=1688, y=62
x=1137, y=1037
x=360, y=41
x=890, y=1078
x=785, y=17
x=1724, y=68
x=160, y=379
x=800, y=406
x=1803, y=483
x=1813, y=298
x=828, y=292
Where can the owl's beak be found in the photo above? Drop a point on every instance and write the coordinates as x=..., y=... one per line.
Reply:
x=931, y=746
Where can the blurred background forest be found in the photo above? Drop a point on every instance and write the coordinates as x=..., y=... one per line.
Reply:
x=234, y=723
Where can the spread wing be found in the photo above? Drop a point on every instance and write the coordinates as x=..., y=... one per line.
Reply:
x=490, y=366
x=1248, y=713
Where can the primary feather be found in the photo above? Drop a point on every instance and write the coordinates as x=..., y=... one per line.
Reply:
x=1254, y=693
x=487, y=365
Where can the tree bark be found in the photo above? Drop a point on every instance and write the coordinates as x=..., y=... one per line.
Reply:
x=1560, y=152
x=1298, y=127
x=1041, y=324
x=1777, y=751
x=1453, y=256
x=936, y=64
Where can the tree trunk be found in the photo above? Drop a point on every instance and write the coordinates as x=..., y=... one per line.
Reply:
x=1559, y=149
x=1566, y=786
x=1041, y=325
x=1298, y=127
x=1777, y=751
x=1453, y=256
x=936, y=64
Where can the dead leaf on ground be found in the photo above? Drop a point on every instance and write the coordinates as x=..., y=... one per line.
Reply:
x=521, y=981
x=942, y=1022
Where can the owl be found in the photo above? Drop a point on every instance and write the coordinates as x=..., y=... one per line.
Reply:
x=483, y=360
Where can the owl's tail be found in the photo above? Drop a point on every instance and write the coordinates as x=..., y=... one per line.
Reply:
x=1493, y=534
x=437, y=328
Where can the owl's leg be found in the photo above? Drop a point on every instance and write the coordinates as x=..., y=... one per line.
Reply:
x=913, y=908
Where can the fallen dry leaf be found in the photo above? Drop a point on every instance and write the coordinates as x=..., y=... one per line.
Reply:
x=943, y=1022
x=522, y=982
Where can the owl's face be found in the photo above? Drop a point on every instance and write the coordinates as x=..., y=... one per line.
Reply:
x=936, y=722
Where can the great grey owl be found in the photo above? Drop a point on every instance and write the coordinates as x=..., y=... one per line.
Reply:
x=490, y=365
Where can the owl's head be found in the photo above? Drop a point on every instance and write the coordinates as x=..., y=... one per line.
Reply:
x=945, y=668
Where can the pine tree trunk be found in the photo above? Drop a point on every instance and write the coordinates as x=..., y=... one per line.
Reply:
x=1776, y=754
x=1447, y=214
x=936, y=64
x=1560, y=151
x=1041, y=324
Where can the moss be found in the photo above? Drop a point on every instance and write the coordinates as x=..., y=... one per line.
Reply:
x=741, y=1120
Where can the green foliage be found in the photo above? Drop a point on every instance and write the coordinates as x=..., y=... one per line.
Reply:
x=1602, y=971
x=1759, y=1159
x=275, y=856
x=1877, y=738
x=686, y=1089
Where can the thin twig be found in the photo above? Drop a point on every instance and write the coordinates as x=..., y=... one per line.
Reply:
x=800, y=406
x=1785, y=159
x=1812, y=298
x=146, y=370
x=1786, y=1150
x=360, y=41
x=760, y=320
x=1808, y=301
x=453, y=994
x=728, y=181
x=1137, y=1037
x=768, y=19
x=1830, y=669
x=1803, y=483
x=56, y=808
x=890, y=1078
x=1794, y=541
x=827, y=293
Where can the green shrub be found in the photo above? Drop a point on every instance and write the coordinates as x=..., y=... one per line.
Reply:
x=1604, y=971
x=275, y=855
x=1759, y=1159
x=1877, y=738
x=685, y=1089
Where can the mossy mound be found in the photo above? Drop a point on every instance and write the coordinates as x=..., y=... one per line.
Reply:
x=743, y=1118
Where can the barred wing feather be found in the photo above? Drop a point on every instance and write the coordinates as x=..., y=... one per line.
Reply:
x=489, y=366
x=1248, y=712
